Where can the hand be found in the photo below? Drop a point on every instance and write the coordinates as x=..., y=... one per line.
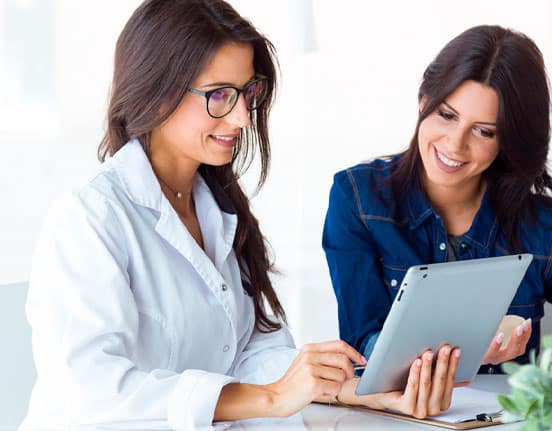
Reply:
x=516, y=345
x=424, y=395
x=317, y=374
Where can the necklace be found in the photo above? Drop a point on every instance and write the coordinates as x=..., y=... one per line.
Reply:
x=176, y=193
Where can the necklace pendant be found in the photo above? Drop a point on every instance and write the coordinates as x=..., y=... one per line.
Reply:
x=178, y=195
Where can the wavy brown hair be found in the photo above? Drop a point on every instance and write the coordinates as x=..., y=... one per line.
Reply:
x=162, y=49
x=510, y=63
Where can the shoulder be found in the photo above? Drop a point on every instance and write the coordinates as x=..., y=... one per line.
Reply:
x=100, y=201
x=367, y=185
x=538, y=230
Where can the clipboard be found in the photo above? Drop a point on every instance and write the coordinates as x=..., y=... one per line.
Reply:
x=468, y=425
x=465, y=411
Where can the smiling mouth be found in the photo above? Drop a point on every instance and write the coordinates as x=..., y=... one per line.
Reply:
x=225, y=138
x=226, y=141
x=448, y=162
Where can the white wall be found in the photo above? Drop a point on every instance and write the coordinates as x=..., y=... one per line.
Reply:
x=350, y=98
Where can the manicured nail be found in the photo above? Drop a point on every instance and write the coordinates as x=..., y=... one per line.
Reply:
x=527, y=324
x=499, y=338
x=364, y=360
x=428, y=356
x=446, y=351
x=457, y=353
x=418, y=362
x=519, y=330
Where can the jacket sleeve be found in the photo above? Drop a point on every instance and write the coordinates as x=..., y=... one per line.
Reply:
x=85, y=327
x=354, y=264
x=266, y=357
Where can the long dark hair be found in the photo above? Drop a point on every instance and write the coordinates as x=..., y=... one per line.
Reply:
x=163, y=47
x=511, y=64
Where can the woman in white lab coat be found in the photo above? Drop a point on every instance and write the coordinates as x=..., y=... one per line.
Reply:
x=148, y=284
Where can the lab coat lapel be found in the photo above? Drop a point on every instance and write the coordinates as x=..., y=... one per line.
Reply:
x=218, y=229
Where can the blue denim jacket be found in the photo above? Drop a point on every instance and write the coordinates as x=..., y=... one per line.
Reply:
x=371, y=240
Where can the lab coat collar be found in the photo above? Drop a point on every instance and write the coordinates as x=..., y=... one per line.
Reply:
x=218, y=225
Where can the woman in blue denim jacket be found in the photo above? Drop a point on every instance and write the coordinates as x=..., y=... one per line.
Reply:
x=472, y=184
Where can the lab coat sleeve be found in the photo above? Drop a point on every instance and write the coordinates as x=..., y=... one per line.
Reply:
x=266, y=357
x=85, y=325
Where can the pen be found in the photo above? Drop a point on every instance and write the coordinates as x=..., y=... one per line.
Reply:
x=489, y=417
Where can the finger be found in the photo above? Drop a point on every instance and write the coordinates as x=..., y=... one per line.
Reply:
x=453, y=366
x=337, y=346
x=425, y=385
x=494, y=350
x=330, y=373
x=410, y=396
x=337, y=361
x=518, y=342
x=439, y=381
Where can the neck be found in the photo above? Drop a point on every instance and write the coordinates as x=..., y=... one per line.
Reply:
x=457, y=205
x=176, y=178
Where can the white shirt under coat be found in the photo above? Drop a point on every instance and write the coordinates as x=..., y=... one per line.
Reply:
x=133, y=323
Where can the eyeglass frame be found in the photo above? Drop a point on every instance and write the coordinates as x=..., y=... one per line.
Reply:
x=207, y=94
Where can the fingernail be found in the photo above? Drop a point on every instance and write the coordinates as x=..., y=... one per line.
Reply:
x=457, y=353
x=418, y=362
x=519, y=330
x=428, y=356
x=446, y=351
x=527, y=324
x=364, y=360
x=500, y=338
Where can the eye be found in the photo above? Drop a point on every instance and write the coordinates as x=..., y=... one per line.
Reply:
x=488, y=134
x=445, y=114
x=221, y=94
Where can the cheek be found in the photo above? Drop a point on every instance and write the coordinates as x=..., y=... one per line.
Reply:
x=189, y=124
x=488, y=154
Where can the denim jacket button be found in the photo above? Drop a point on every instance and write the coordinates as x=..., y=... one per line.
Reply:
x=442, y=246
x=393, y=283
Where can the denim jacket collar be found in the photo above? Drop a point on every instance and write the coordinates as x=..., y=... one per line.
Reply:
x=483, y=230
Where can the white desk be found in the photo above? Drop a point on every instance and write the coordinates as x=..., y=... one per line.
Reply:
x=324, y=418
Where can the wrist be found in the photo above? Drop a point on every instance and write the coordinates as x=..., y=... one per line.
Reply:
x=273, y=401
x=348, y=397
x=245, y=401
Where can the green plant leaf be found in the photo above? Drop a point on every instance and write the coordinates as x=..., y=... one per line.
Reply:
x=547, y=342
x=545, y=360
x=533, y=356
x=531, y=393
x=507, y=404
x=510, y=367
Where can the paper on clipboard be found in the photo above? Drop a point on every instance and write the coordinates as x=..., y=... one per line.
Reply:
x=468, y=403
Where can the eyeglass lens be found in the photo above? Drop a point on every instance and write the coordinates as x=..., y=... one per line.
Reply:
x=223, y=99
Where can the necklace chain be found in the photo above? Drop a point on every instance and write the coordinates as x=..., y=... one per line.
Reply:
x=176, y=193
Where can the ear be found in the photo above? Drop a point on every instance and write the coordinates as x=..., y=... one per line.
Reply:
x=422, y=103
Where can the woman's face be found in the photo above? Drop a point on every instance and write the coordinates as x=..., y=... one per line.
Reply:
x=457, y=142
x=190, y=135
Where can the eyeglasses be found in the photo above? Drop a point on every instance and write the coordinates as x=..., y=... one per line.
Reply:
x=220, y=101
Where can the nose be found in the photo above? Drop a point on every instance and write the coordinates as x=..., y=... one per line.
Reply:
x=457, y=139
x=239, y=115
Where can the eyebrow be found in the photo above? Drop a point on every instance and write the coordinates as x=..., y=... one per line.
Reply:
x=227, y=84
x=458, y=113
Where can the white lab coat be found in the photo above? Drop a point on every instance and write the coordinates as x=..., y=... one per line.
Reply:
x=133, y=323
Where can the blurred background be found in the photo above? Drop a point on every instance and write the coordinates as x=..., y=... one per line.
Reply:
x=350, y=71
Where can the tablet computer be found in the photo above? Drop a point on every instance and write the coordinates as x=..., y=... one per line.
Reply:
x=458, y=303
